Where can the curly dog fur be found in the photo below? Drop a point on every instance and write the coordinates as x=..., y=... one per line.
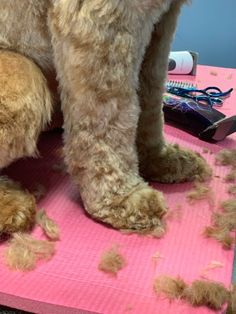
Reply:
x=110, y=58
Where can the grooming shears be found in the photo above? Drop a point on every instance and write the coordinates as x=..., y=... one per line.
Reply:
x=211, y=95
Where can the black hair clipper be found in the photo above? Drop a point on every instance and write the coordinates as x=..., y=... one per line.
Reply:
x=199, y=119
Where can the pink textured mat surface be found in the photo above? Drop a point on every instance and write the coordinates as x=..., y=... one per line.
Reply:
x=71, y=282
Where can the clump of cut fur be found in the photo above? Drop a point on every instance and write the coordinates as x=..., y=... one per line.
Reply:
x=232, y=190
x=157, y=232
x=228, y=219
x=220, y=235
x=18, y=209
x=208, y=293
x=227, y=157
x=232, y=304
x=111, y=261
x=223, y=223
x=173, y=288
x=49, y=226
x=231, y=176
x=23, y=252
x=200, y=192
x=200, y=293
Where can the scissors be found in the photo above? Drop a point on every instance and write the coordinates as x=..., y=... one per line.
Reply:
x=211, y=95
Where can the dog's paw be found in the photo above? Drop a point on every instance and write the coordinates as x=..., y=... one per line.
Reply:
x=175, y=164
x=17, y=207
x=141, y=212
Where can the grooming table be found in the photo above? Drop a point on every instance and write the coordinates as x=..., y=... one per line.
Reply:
x=71, y=282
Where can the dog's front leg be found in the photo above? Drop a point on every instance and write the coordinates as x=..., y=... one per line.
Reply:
x=158, y=160
x=96, y=56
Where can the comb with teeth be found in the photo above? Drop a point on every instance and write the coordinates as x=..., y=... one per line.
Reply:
x=180, y=84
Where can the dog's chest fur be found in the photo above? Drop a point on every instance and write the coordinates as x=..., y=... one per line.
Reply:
x=24, y=28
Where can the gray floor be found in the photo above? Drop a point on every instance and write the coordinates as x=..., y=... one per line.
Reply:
x=7, y=310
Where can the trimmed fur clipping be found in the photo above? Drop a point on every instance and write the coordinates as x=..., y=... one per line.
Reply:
x=212, y=265
x=223, y=223
x=232, y=304
x=211, y=294
x=111, y=261
x=227, y=157
x=18, y=216
x=158, y=232
x=231, y=177
x=156, y=257
x=23, y=252
x=200, y=293
x=220, y=235
x=232, y=190
x=49, y=227
x=200, y=192
x=173, y=288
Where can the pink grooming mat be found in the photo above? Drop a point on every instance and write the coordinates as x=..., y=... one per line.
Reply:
x=71, y=281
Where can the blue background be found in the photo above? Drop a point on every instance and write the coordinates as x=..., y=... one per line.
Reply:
x=209, y=27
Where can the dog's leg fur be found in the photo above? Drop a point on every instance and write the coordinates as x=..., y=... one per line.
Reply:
x=158, y=160
x=25, y=106
x=25, y=109
x=97, y=62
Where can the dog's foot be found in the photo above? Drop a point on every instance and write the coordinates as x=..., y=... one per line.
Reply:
x=17, y=207
x=140, y=212
x=175, y=164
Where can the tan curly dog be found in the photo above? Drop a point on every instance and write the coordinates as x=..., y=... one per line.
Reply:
x=110, y=58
